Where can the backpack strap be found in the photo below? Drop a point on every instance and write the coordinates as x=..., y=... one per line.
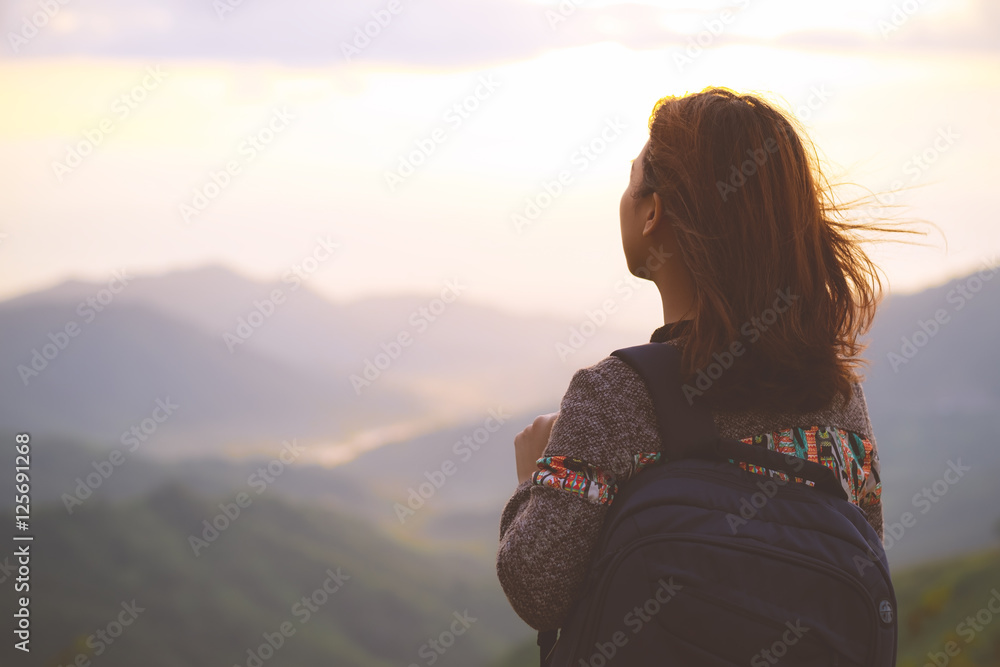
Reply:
x=687, y=429
x=546, y=642
x=684, y=426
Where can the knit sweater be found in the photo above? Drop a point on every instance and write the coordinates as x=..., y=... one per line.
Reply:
x=607, y=421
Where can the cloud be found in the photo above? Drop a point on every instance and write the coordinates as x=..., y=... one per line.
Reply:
x=451, y=33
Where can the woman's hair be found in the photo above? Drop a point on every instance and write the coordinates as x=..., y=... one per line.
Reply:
x=782, y=284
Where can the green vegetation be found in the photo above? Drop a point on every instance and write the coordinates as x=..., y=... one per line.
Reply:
x=936, y=601
x=212, y=608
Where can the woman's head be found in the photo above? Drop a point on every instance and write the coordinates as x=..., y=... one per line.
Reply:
x=763, y=261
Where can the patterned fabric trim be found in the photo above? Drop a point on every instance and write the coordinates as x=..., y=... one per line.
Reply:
x=575, y=476
x=853, y=459
x=644, y=460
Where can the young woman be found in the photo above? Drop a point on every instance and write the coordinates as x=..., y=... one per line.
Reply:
x=758, y=259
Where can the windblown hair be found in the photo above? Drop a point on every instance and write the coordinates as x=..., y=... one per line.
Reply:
x=761, y=232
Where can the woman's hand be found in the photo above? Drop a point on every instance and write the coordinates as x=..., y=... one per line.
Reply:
x=530, y=443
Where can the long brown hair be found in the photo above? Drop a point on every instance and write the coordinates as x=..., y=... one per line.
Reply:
x=777, y=263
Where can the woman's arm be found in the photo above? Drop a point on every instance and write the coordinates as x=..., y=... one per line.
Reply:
x=550, y=525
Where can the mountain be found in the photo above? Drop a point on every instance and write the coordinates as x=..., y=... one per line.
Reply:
x=931, y=404
x=71, y=474
x=350, y=596
x=935, y=351
x=933, y=390
x=173, y=335
x=389, y=598
x=934, y=409
x=413, y=517
x=110, y=375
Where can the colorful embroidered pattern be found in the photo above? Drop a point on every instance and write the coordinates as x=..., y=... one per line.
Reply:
x=853, y=460
x=575, y=476
x=644, y=460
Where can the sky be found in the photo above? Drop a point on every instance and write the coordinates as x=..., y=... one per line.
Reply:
x=155, y=137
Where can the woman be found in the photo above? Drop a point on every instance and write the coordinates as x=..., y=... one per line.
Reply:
x=759, y=261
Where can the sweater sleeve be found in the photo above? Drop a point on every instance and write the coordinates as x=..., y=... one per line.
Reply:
x=547, y=534
x=872, y=504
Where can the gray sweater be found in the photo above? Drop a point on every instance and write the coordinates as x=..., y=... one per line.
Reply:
x=547, y=535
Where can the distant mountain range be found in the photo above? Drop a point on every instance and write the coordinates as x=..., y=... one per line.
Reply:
x=418, y=542
x=350, y=596
x=383, y=604
x=933, y=389
x=172, y=336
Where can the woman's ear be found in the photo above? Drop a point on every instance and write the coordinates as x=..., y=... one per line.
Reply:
x=654, y=214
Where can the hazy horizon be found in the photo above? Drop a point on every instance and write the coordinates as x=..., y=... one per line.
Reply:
x=123, y=121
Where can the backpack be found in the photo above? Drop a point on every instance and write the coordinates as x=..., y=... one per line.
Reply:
x=702, y=563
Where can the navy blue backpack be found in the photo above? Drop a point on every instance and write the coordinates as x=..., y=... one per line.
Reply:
x=703, y=564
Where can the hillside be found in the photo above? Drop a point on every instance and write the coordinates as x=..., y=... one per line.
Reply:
x=166, y=335
x=130, y=538
x=163, y=339
x=936, y=599
x=209, y=609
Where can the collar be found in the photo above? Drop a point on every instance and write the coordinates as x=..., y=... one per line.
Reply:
x=670, y=331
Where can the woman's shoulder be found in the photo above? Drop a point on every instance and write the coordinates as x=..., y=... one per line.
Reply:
x=610, y=382
x=849, y=414
x=615, y=382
